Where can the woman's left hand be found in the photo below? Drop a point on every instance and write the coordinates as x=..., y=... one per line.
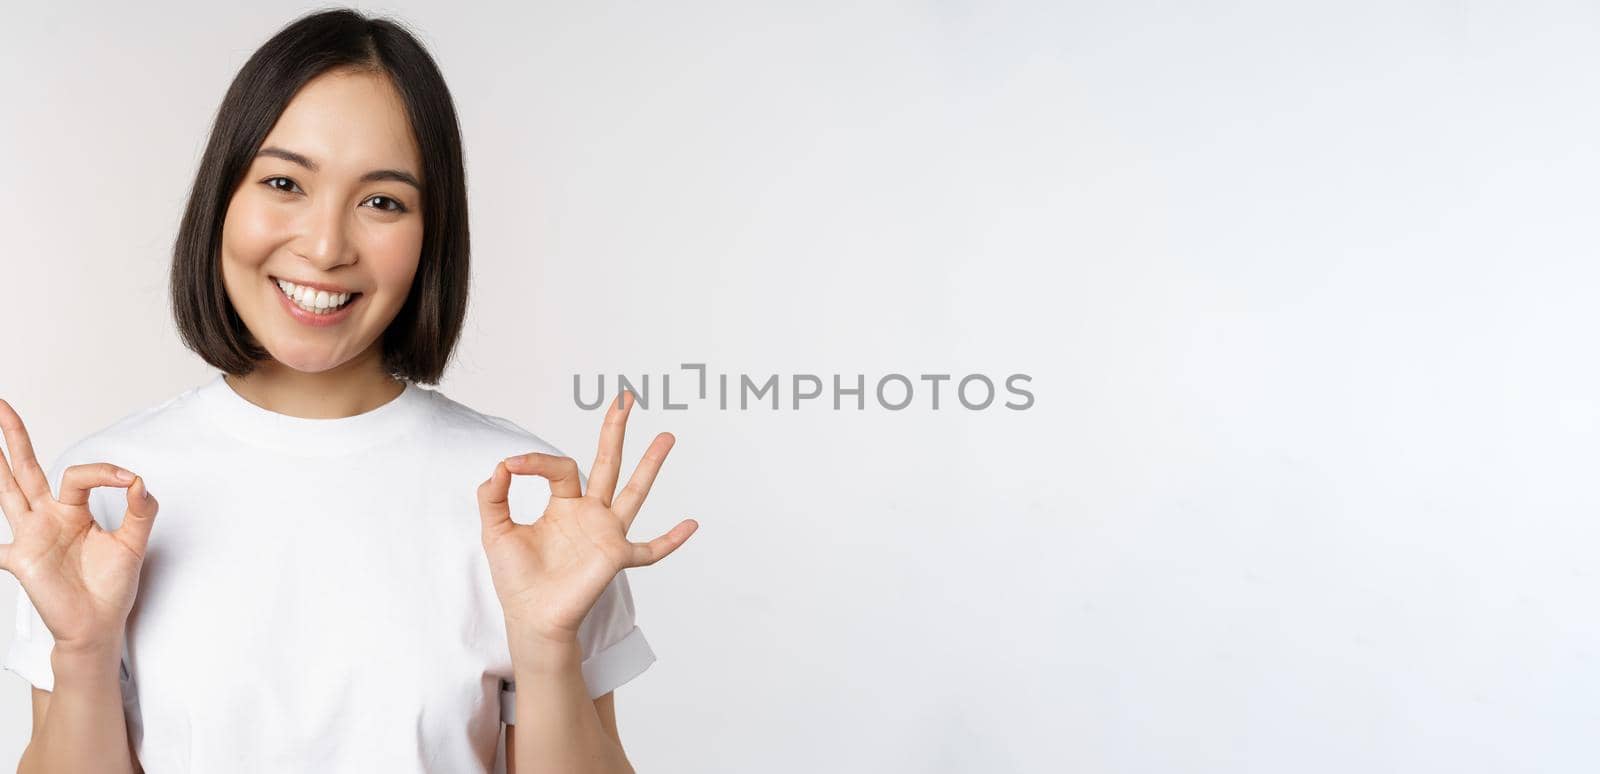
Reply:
x=548, y=574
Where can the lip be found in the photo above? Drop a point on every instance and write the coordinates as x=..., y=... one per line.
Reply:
x=314, y=320
x=316, y=285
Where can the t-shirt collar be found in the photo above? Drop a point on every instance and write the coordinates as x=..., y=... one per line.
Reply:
x=232, y=413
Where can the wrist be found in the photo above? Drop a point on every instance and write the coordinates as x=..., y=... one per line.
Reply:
x=541, y=651
x=540, y=635
x=90, y=660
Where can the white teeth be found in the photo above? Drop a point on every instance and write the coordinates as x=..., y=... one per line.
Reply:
x=313, y=300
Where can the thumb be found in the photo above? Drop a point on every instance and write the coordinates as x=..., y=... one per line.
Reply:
x=140, y=516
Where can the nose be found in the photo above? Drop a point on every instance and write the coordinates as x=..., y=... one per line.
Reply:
x=324, y=239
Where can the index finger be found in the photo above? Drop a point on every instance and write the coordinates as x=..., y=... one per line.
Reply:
x=561, y=472
x=29, y=482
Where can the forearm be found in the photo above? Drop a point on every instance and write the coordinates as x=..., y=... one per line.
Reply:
x=84, y=728
x=557, y=728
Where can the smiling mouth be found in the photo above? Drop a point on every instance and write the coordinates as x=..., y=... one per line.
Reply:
x=312, y=298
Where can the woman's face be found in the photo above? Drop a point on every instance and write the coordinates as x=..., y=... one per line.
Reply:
x=330, y=200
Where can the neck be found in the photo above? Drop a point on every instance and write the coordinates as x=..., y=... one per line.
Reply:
x=351, y=388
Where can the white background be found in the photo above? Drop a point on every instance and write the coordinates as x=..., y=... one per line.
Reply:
x=1307, y=292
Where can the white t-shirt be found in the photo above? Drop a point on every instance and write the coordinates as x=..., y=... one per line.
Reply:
x=316, y=597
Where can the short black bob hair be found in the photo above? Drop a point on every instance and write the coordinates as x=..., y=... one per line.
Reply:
x=418, y=343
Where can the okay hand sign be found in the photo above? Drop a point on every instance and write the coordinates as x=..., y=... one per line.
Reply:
x=549, y=574
x=81, y=578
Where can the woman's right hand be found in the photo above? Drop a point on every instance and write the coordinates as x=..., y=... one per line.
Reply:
x=81, y=578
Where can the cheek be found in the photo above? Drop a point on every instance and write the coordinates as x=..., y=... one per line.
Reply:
x=251, y=231
x=394, y=251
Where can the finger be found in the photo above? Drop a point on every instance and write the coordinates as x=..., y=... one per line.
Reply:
x=561, y=472
x=632, y=496
x=12, y=501
x=658, y=549
x=21, y=479
x=608, y=461
x=77, y=480
x=493, y=505
x=140, y=516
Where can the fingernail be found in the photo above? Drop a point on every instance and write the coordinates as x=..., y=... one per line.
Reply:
x=123, y=475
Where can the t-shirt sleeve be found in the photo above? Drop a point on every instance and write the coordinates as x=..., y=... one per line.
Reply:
x=614, y=648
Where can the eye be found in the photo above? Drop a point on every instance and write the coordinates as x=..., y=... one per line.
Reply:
x=389, y=204
x=292, y=187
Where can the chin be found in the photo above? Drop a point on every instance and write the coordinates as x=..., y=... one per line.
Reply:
x=306, y=363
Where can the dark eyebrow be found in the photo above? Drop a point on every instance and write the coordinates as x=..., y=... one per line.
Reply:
x=397, y=175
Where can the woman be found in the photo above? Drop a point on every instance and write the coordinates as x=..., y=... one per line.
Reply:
x=319, y=596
